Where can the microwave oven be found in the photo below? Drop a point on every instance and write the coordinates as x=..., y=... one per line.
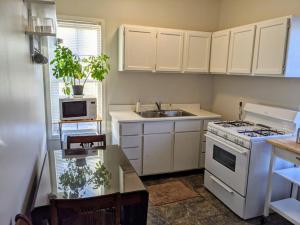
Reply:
x=78, y=108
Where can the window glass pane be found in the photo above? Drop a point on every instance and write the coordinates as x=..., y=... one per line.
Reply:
x=84, y=40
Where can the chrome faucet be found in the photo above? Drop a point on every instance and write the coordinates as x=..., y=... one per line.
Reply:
x=158, y=105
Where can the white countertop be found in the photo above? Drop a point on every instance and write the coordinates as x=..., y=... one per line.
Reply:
x=130, y=116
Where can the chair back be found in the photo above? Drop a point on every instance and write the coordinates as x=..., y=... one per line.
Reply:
x=82, y=140
x=103, y=210
x=22, y=220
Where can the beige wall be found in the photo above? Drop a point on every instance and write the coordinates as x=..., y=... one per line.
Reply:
x=273, y=91
x=240, y=12
x=220, y=93
x=128, y=87
x=22, y=114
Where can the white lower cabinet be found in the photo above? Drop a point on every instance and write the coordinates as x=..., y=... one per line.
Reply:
x=186, y=150
x=202, y=160
x=163, y=146
x=157, y=157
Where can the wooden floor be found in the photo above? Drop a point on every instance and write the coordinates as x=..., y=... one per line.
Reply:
x=202, y=210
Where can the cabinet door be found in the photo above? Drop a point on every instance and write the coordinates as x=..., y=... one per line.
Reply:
x=197, y=52
x=169, y=51
x=270, y=47
x=241, y=50
x=186, y=151
x=219, y=51
x=140, y=49
x=157, y=156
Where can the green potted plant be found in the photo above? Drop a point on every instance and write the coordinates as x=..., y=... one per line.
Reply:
x=73, y=70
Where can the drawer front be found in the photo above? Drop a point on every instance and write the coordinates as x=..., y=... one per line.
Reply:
x=188, y=125
x=289, y=156
x=158, y=127
x=131, y=129
x=131, y=141
x=133, y=153
x=137, y=165
x=228, y=196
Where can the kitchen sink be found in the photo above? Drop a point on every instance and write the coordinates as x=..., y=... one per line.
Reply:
x=164, y=113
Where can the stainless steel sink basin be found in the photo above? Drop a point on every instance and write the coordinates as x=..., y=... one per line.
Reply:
x=150, y=114
x=164, y=113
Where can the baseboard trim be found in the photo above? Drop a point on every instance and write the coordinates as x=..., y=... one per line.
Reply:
x=175, y=174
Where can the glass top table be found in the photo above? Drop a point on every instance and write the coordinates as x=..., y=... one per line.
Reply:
x=90, y=173
x=74, y=174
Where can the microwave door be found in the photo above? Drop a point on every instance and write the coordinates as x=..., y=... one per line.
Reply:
x=74, y=109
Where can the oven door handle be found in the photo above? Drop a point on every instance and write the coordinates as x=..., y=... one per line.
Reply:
x=222, y=185
x=242, y=152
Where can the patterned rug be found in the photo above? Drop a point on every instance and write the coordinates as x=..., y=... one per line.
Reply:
x=169, y=192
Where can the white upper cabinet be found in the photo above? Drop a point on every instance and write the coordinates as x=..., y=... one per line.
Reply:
x=138, y=48
x=197, y=52
x=270, y=47
x=241, y=50
x=219, y=51
x=267, y=48
x=292, y=65
x=169, y=50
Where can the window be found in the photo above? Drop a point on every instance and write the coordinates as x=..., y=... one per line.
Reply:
x=84, y=39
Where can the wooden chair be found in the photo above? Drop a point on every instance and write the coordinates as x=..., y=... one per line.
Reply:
x=41, y=215
x=101, y=139
x=103, y=210
x=22, y=220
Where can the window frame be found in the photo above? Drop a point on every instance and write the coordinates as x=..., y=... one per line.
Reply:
x=47, y=88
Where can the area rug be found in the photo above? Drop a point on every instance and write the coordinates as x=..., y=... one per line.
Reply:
x=169, y=192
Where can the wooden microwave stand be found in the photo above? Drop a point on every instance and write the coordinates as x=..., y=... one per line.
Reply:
x=62, y=122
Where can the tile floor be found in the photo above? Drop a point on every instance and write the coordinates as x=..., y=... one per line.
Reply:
x=202, y=210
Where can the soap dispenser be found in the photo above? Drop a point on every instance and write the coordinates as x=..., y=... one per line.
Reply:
x=138, y=106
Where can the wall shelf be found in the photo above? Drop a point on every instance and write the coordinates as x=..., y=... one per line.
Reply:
x=46, y=2
x=40, y=22
x=40, y=34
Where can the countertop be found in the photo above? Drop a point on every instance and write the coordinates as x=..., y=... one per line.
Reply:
x=288, y=144
x=130, y=116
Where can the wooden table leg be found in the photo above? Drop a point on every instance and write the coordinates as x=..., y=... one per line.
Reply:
x=136, y=214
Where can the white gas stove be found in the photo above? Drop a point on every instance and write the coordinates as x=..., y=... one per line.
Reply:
x=244, y=132
x=237, y=157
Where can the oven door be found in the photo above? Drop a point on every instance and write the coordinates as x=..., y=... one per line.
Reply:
x=228, y=162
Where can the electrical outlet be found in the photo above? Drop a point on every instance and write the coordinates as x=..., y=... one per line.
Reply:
x=241, y=102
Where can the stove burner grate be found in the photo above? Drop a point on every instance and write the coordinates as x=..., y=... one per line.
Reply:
x=237, y=123
x=262, y=132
